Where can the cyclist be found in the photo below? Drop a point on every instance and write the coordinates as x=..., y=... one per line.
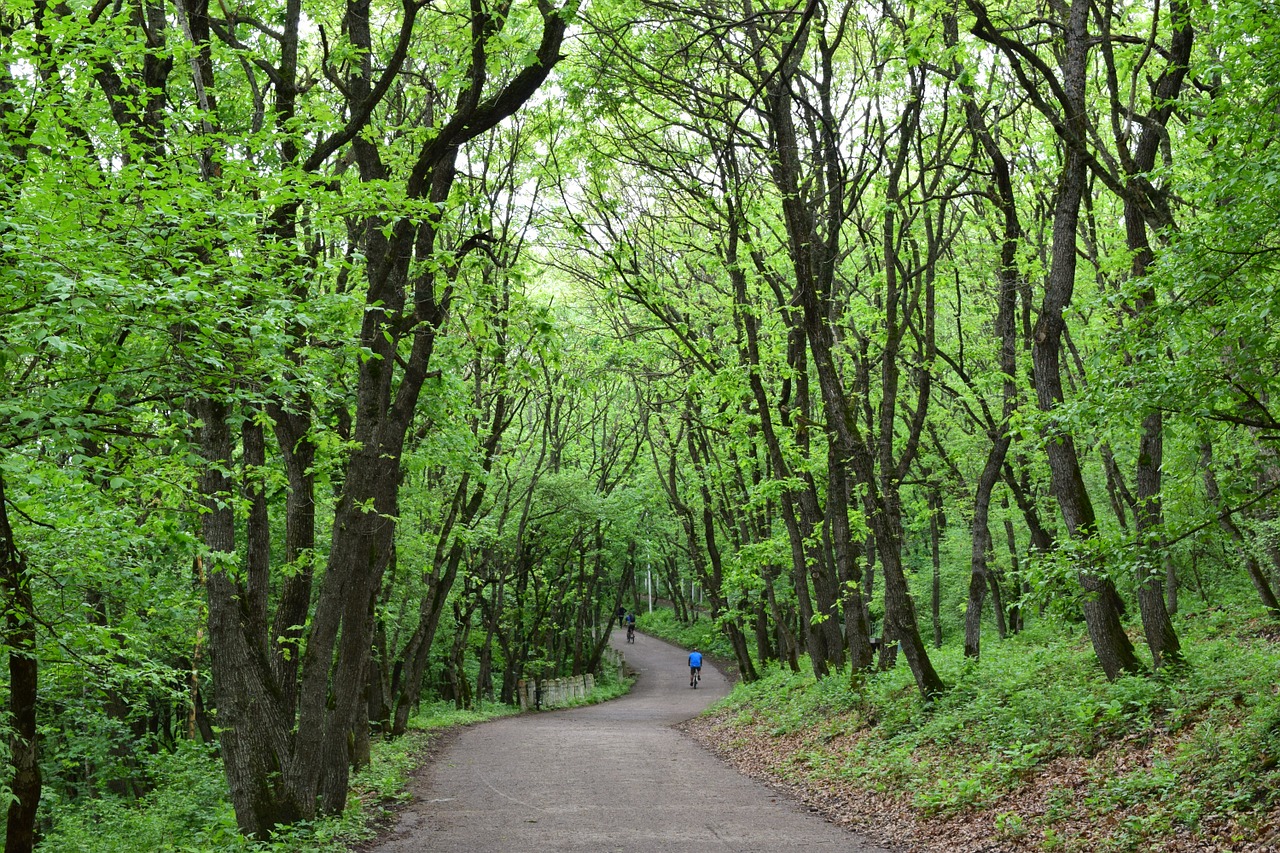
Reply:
x=631, y=627
x=695, y=668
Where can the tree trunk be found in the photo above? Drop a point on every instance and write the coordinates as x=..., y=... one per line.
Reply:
x=714, y=580
x=973, y=609
x=1043, y=539
x=298, y=452
x=1015, y=611
x=760, y=628
x=1008, y=279
x=1103, y=609
x=464, y=508
x=417, y=651
x=1149, y=521
x=902, y=624
x=997, y=601
x=869, y=548
x=797, y=507
x=1149, y=511
x=457, y=654
x=253, y=729
x=935, y=543
x=1118, y=495
x=786, y=642
x=20, y=643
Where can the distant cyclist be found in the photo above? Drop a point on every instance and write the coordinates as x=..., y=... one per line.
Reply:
x=695, y=668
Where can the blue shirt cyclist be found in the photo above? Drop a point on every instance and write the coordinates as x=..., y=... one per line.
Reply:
x=695, y=666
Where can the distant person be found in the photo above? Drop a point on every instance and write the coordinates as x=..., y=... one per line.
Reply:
x=622, y=611
x=695, y=667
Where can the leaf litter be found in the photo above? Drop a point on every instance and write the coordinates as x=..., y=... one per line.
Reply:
x=1048, y=809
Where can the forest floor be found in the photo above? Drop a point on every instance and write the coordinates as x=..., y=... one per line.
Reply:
x=1036, y=753
x=1014, y=822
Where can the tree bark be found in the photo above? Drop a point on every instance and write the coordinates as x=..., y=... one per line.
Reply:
x=20, y=642
x=1008, y=281
x=1149, y=521
x=935, y=550
x=798, y=508
x=1102, y=606
x=1149, y=509
x=253, y=729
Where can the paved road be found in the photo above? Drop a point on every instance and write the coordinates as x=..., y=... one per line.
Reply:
x=610, y=777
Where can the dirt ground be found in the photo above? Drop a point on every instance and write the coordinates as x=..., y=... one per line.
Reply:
x=610, y=777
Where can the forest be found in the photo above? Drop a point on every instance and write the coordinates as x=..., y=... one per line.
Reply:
x=358, y=354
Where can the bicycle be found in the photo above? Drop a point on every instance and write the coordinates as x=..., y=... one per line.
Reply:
x=695, y=675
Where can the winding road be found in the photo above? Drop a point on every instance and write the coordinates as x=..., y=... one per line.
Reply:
x=608, y=777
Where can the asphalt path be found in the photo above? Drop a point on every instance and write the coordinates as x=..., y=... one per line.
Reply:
x=609, y=777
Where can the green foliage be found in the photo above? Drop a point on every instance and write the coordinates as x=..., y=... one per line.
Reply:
x=702, y=634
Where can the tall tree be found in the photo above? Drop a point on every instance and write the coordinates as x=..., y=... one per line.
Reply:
x=1102, y=605
x=287, y=752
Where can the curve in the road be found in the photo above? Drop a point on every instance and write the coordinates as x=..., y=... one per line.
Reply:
x=608, y=777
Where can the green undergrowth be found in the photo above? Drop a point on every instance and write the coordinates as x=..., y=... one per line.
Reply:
x=703, y=634
x=1149, y=756
x=188, y=811
x=608, y=686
